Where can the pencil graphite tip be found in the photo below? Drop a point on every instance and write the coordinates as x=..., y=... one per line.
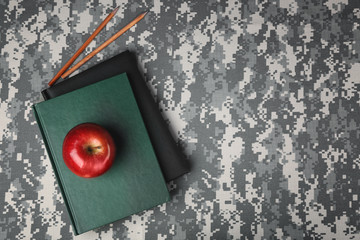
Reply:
x=146, y=12
x=116, y=9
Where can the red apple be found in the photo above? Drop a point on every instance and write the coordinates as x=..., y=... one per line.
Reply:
x=88, y=150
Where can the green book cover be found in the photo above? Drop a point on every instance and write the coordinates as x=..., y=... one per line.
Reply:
x=134, y=182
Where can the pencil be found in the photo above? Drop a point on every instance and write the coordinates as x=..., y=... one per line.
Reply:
x=82, y=48
x=105, y=44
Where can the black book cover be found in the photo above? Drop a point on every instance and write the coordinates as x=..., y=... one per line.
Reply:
x=172, y=161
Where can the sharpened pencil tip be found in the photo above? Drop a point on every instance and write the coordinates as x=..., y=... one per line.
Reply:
x=146, y=12
x=116, y=9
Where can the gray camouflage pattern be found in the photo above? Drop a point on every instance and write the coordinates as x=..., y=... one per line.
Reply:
x=263, y=97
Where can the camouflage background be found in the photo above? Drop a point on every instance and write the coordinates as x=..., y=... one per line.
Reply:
x=263, y=96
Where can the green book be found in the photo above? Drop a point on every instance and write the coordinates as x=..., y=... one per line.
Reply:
x=133, y=183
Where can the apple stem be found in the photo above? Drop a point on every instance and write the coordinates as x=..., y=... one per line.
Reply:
x=91, y=149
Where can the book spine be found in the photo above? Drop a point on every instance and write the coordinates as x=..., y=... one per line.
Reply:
x=55, y=169
x=45, y=94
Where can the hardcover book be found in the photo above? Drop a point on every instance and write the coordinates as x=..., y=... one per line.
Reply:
x=134, y=182
x=172, y=161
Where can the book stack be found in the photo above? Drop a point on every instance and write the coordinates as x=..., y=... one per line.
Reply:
x=113, y=95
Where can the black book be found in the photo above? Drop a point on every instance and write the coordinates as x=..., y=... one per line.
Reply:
x=172, y=161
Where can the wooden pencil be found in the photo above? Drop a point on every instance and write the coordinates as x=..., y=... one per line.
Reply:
x=82, y=48
x=105, y=44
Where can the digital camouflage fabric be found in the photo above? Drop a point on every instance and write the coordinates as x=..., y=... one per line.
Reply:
x=262, y=96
